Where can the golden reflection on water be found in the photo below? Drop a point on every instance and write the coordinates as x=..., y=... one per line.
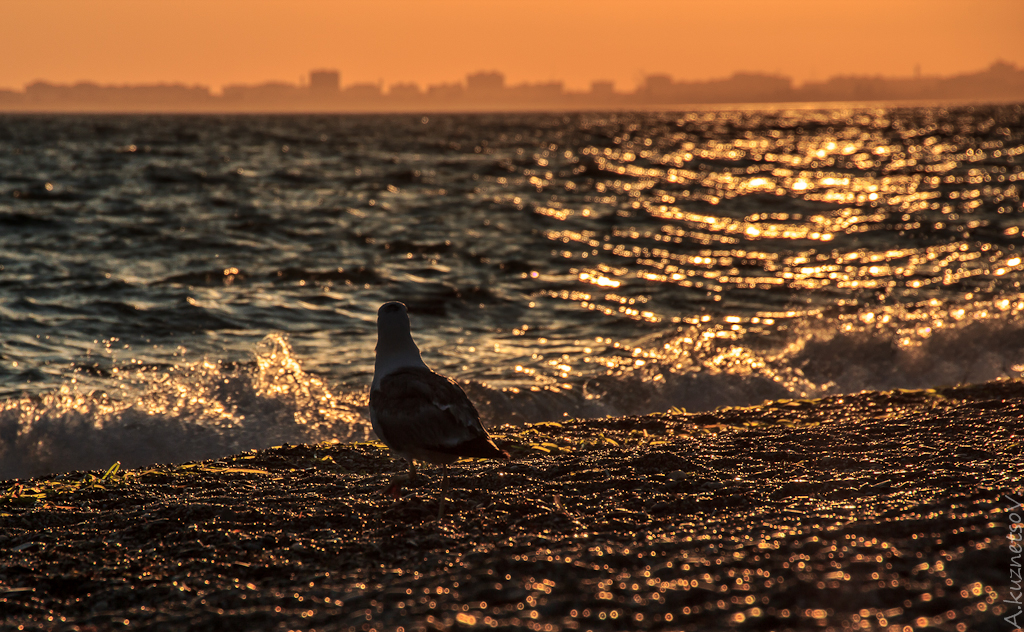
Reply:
x=861, y=220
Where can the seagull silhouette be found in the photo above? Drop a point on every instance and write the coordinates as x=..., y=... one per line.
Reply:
x=419, y=414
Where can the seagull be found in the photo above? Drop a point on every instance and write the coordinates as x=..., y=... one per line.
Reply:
x=417, y=413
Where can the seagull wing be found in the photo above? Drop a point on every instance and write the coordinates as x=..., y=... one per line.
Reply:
x=419, y=410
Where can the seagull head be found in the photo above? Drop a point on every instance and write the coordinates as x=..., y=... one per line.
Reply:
x=395, y=346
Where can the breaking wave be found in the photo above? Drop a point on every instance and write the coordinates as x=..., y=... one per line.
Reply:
x=206, y=409
x=196, y=410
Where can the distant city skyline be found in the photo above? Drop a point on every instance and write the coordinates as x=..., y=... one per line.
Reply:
x=428, y=42
x=323, y=91
x=333, y=79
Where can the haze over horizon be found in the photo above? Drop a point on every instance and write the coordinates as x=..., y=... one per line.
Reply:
x=221, y=42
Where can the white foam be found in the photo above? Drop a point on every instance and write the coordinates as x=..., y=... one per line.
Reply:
x=909, y=346
x=205, y=408
x=196, y=410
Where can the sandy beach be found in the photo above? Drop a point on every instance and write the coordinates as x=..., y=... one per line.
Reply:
x=875, y=511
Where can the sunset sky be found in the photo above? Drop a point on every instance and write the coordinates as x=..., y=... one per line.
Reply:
x=217, y=42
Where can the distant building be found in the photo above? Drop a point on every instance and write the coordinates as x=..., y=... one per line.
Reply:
x=1001, y=80
x=1003, y=68
x=93, y=97
x=446, y=92
x=739, y=88
x=404, y=91
x=659, y=89
x=270, y=93
x=481, y=83
x=11, y=98
x=849, y=88
x=325, y=81
x=602, y=89
x=751, y=87
x=363, y=92
x=537, y=93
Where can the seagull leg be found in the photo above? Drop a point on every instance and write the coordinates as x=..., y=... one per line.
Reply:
x=444, y=492
x=395, y=488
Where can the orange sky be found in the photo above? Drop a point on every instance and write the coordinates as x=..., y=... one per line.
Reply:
x=215, y=42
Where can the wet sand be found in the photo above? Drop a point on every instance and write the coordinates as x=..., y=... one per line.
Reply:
x=871, y=511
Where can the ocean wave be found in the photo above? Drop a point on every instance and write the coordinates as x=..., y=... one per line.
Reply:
x=194, y=410
x=906, y=346
x=208, y=408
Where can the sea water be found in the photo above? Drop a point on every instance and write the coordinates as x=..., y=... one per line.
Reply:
x=183, y=287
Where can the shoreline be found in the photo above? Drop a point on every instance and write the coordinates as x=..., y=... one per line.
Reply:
x=874, y=509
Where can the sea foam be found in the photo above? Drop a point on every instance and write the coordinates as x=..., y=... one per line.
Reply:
x=206, y=408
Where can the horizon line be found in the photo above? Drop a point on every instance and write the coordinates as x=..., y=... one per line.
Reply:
x=380, y=83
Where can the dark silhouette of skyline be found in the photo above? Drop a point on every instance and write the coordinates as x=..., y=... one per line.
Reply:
x=488, y=91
